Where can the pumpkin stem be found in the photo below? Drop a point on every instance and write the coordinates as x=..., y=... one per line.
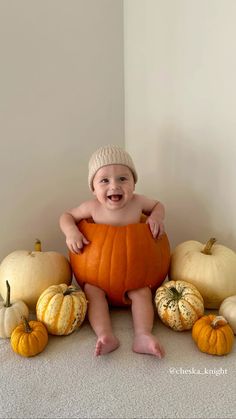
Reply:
x=8, y=302
x=69, y=291
x=176, y=294
x=26, y=325
x=218, y=322
x=37, y=246
x=208, y=246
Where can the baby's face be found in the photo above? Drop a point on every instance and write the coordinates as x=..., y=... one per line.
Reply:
x=114, y=186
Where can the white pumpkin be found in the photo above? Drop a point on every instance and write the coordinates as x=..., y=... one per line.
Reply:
x=228, y=311
x=211, y=268
x=11, y=313
x=31, y=272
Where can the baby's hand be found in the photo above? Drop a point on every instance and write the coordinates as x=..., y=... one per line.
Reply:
x=156, y=226
x=76, y=241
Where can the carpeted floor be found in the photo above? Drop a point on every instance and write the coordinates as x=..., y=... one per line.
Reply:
x=67, y=381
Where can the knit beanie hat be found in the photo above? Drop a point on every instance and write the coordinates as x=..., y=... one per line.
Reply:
x=110, y=154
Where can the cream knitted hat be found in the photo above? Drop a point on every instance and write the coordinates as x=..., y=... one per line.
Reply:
x=110, y=154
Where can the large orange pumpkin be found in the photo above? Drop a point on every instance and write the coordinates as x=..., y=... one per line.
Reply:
x=119, y=259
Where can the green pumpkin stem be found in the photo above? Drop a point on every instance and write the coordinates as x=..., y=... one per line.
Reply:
x=8, y=298
x=208, y=246
x=26, y=325
x=37, y=246
x=176, y=294
x=69, y=291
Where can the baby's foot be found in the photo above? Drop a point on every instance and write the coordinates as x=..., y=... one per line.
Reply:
x=106, y=344
x=148, y=344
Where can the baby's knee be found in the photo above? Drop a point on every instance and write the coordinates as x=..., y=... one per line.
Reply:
x=93, y=291
x=139, y=293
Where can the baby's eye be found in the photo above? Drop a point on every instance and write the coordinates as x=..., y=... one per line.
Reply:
x=105, y=180
x=123, y=178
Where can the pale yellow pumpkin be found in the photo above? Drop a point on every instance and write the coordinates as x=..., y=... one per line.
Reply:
x=30, y=273
x=211, y=268
x=228, y=310
x=11, y=313
x=179, y=304
x=62, y=309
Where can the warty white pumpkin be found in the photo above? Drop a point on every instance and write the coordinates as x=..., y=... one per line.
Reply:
x=179, y=304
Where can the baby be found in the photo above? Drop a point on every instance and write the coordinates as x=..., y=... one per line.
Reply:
x=112, y=178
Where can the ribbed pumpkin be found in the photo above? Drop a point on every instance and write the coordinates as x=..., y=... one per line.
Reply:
x=179, y=304
x=29, y=339
x=213, y=335
x=121, y=258
x=62, y=309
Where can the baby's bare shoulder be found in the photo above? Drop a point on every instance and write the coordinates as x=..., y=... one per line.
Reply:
x=145, y=202
x=83, y=210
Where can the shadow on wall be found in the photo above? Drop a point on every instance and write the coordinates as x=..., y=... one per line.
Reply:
x=190, y=172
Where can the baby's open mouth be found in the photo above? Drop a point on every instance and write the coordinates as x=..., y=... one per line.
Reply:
x=115, y=197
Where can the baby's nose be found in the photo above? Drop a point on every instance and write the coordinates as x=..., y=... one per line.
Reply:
x=114, y=184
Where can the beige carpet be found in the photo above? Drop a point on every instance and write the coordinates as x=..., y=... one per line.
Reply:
x=67, y=381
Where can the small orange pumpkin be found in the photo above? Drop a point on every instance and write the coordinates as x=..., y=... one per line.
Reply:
x=29, y=338
x=121, y=258
x=213, y=335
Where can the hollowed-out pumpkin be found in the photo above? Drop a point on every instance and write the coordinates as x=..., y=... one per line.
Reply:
x=121, y=258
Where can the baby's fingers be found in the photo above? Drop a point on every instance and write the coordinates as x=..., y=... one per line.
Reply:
x=74, y=247
x=85, y=241
x=161, y=230
x=155, y=230
x=77, y=248
x=153, y=227
x=79, y=245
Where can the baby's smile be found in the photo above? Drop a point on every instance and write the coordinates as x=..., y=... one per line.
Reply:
x=115, y=197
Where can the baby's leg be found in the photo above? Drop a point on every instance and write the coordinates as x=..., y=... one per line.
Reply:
x=99, y=317
x=143, y=316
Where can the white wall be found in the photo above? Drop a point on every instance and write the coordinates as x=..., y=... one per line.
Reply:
x=180, y=107
x=61, y=96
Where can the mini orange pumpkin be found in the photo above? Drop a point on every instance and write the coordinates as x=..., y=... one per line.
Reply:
x=121, y=258
x=213, y=335
x=29, y=338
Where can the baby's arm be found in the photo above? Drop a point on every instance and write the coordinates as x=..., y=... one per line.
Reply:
x=75, y=240
x=156, y=214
